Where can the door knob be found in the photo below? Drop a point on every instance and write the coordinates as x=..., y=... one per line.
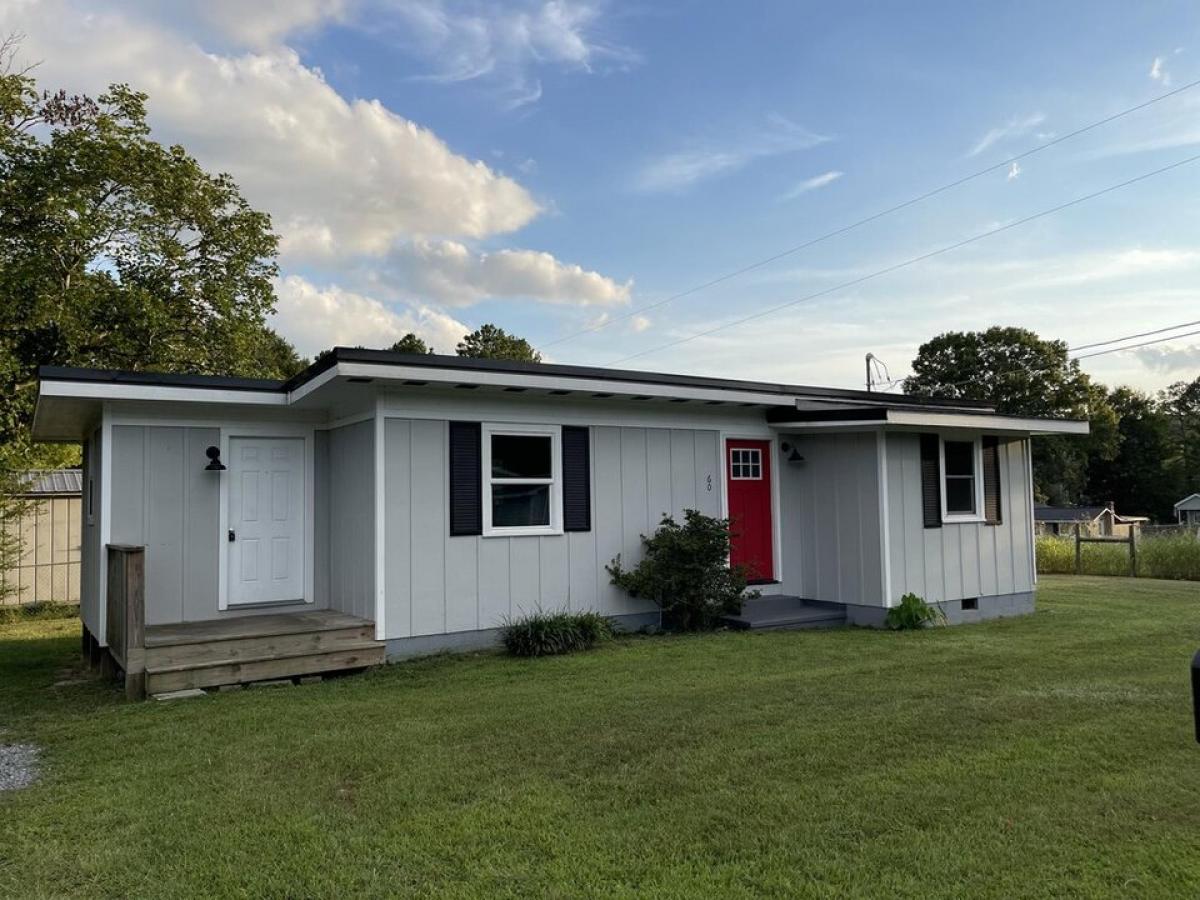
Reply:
x=232, y=535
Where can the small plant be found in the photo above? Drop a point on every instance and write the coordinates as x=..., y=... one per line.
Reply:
x=686, y=572
x=548, y=634
x=914, y=612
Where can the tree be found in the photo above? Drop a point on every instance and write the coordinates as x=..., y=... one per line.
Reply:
x=491, y=342
x=1181, y=404
x=118, y=252
x=1142, y=477
x=1023, y=375
x=410, y=343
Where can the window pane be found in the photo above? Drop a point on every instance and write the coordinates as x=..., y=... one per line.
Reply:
x=520, y=456
x=960, y=495
x=514, y=505
x=960, y=457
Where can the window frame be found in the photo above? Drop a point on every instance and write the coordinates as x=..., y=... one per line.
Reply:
x=977, y=476
x=753, y=461
x=554, y=433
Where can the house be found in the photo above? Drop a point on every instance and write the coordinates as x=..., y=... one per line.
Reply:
x=49, y=529
x=382, y=504
x=1093, y=521
x=1187, y=510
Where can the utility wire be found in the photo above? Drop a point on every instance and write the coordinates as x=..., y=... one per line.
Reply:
x=912, y=201
x=1128, y=337
x=911, y=261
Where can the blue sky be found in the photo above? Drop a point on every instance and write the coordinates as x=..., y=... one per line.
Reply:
x=554, y=166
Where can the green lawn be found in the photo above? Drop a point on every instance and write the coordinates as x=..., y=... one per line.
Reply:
x=1049, y=755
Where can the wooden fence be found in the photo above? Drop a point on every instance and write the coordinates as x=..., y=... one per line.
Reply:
x=1130, y=541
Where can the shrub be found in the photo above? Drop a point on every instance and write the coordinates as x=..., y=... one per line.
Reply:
x=547, y=634
x=685, y=571
x=913, y=612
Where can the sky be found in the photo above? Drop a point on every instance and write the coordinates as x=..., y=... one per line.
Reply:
x=563, y=169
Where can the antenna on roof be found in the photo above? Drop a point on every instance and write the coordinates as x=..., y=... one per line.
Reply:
x=875, y=365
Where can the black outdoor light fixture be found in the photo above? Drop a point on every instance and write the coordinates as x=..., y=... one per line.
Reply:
x=214, y=460
x=793, y=454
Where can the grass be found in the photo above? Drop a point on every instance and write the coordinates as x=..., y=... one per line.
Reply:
x=1050, y=755
x=1168, y=556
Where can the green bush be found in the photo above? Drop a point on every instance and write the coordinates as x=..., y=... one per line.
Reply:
x=913, y=612
x=685, y=571
x=547, y=634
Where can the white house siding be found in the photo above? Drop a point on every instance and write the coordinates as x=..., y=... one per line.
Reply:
x=438, y=584
x=89, y=549
x=345, y=500
x=957, y=561
x=830, y=518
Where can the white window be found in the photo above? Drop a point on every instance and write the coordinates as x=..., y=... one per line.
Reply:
x=962, y=484
x=522, y=474
x=745, y=464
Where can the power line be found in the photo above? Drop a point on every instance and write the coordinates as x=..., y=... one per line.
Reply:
x=871, y=218
x=1160, y=340
x=1116, y=340
x=1130, y=337
x=911, y=261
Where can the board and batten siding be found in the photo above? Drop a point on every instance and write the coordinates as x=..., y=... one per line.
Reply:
x=830, y=519
x=962, y=560
x=89, y=549
x=435, y=583
x=345, y=500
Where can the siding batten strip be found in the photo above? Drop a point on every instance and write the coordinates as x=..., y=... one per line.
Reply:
x=380, y=524
x=105, y=517
x=885, y=537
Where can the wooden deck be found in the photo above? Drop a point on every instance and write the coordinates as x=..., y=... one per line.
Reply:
x=257, y=648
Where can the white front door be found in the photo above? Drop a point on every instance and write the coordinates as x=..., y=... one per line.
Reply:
x=266, y=520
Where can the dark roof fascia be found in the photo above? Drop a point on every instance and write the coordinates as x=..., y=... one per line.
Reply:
x=158, y=379
x=555, y=370
x=860, y=414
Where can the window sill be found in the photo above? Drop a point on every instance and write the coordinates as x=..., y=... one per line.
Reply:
x=972, y=519
x=522, y=532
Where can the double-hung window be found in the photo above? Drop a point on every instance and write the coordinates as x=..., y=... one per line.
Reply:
x=962, y=484
x=521, y=479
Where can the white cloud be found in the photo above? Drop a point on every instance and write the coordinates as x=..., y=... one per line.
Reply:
x=339, y=178
x=1014, y=128
x=1168, y=360
x=1014, y=171
x=316, y=318
x=639, y=323
x=1158, y=71
x=453, y=274
x=465, y=40
x=709, y=159
x=264, y=22
x=812, y=184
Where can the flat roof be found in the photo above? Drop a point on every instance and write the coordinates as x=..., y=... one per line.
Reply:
x=495, y=366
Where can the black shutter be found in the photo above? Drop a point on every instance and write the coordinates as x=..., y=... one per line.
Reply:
x=466, y=479
x=931, y=482
x=991, y=479
x=577, y=478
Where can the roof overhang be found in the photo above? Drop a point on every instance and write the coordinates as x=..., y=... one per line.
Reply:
x=856, y=419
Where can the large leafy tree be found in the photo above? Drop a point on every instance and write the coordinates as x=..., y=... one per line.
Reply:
x=411, y=343
x=492, y=342
x=1142, y=477
x=118, y=252
x=1180, y=403
x=1023, y=375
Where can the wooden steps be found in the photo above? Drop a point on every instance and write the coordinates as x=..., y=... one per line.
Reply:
x=780, y=612
x=257, y=648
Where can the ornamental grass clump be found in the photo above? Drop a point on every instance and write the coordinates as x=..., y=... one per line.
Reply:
x=548, y=634
x=685, y=571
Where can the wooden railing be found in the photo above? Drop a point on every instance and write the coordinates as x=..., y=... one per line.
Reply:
x=1130, y=541
x=125, y=628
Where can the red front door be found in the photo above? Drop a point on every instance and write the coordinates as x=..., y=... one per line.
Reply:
x=748, y=474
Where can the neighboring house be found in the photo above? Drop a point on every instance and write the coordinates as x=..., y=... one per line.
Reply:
x=1092, y=521
x=419, y=501
x=1187, y=510
x=49, y=528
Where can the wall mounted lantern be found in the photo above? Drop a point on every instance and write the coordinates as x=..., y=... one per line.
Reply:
x=793, y=455
x=214, y=460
